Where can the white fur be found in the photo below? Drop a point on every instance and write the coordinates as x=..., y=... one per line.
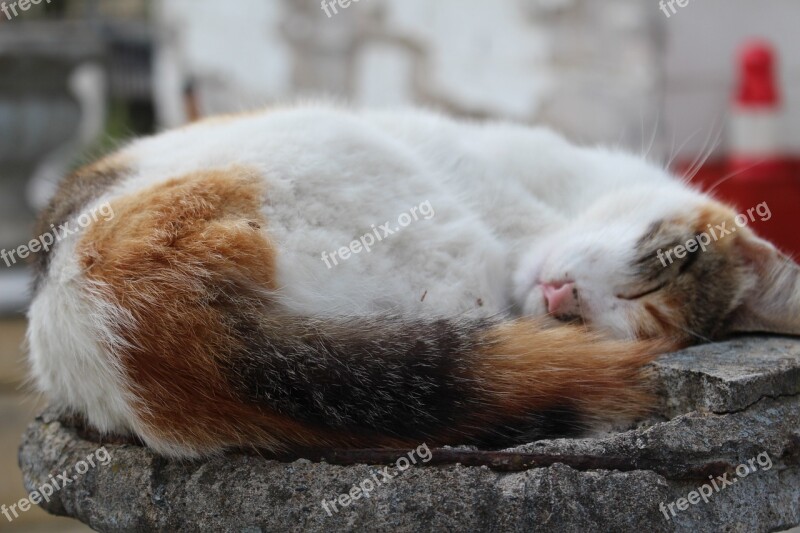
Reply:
x=513, y=206
x=71, y=342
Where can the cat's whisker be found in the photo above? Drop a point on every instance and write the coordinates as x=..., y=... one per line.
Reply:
x=708, y=155
x=692, y=333
x=675, y=153
x=733, y=175
x=653, y=136
x=672, y=149
x=641, y=132
x=706, y=152
x=700, y=152
x=708, y=145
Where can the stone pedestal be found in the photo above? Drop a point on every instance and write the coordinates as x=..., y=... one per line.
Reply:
x=730, y=413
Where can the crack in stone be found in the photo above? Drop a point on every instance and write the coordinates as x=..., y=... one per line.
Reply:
x=762, y=397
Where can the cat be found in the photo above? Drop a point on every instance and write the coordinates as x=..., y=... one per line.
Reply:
x=311, y=277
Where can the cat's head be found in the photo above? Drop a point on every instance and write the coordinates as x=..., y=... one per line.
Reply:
x=666, y=262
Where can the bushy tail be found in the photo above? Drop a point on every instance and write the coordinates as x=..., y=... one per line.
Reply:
x=286, y=382
x=440, y=381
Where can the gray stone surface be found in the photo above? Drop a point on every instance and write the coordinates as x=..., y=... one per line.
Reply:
x=722, y=405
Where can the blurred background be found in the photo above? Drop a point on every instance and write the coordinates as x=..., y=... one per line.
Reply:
x=712, y=89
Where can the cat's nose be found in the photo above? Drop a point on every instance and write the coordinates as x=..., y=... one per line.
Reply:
x=561, y=297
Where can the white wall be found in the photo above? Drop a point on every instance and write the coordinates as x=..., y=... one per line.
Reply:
x=588, y=68
x=596, y=70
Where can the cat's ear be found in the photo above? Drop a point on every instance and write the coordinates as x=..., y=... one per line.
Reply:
x=772, y=299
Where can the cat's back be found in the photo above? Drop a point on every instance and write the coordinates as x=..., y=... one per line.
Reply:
x=290, y=141
x=326, y=178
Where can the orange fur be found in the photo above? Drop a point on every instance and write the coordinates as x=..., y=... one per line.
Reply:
x=527, y=367
x=714, y=214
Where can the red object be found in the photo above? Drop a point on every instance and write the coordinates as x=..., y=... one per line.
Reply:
x=754, y=137
x=757, y=70
x=757, y=169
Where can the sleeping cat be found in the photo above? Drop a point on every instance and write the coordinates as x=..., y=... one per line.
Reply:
x=313, y=277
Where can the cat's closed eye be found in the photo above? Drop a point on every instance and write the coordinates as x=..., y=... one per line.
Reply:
x=641, y=293
x=656, y=272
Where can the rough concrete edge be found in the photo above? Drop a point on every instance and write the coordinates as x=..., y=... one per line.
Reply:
x=161, y=490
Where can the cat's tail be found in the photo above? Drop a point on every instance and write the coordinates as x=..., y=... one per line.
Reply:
x=390, y=380
x=281, y=382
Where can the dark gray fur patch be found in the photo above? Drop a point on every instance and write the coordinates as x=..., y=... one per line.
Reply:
x=397, y=377
x=74, y=193
x=412, y=379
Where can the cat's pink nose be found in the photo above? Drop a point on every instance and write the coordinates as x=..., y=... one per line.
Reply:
x=560, y=297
